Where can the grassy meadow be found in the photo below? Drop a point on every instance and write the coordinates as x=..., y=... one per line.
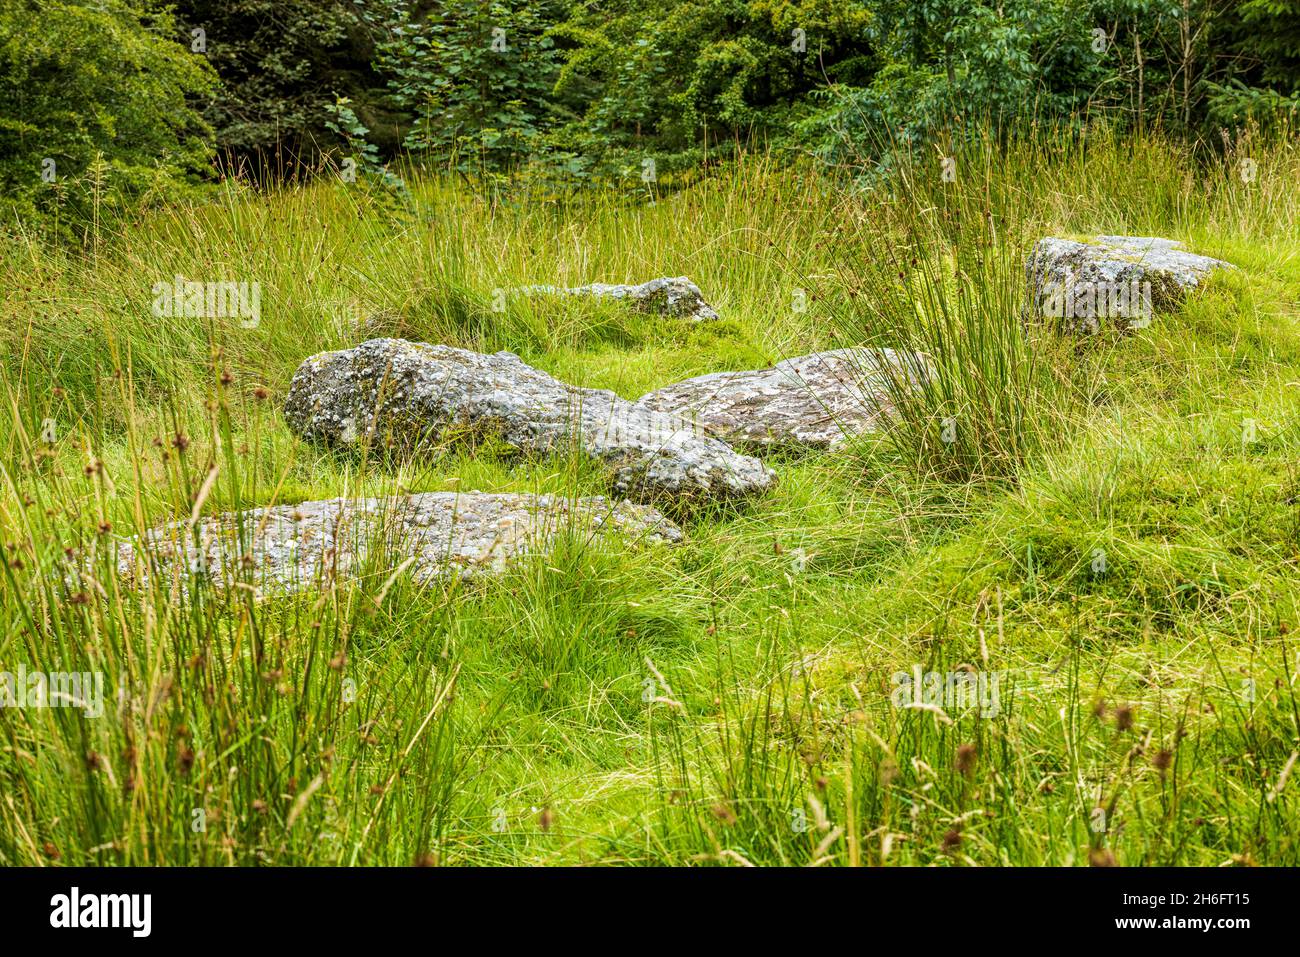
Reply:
x=1113, y=529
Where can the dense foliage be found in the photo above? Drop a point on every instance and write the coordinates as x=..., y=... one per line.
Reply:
x=97, y=107
x=282, y=63
x=119, y=93
x=474, y=76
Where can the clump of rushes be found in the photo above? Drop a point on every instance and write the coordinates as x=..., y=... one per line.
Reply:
x=176, y=679
x=937, y=266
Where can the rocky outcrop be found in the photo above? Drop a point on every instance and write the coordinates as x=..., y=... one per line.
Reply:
x=817, y=400
x=446, y=534
x=675, y=296
x=391, y=392
x=1117, y=280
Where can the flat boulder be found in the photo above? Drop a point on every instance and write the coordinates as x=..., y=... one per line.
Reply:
x=446, y=535
x=817, y=400
x=395, y=393
x=674, y=296
x=1121, y=280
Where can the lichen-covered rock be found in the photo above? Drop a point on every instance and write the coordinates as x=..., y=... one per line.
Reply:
x=448, y=534
x=1120, y=280
x=395, y=392
x=674, y=296
x=817, y=400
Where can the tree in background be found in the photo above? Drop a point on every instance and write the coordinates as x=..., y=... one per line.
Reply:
x=97, y=109
x=1262, y=81
x=954, y=67
x=690, y=77
x=475, y=75
x=282, y=64
x=125, y=100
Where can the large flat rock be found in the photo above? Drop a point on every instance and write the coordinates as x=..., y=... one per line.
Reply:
x=674, y=296
x=1117, y=280
x=448, y=534
x=391, y=392
x=817, y=400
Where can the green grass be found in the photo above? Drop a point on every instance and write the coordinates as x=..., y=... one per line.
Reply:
x=726, y=701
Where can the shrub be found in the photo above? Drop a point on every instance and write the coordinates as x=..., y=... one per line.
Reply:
x=97, y=109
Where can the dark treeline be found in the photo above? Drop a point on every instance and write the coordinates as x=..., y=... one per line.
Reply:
x=118, y=103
